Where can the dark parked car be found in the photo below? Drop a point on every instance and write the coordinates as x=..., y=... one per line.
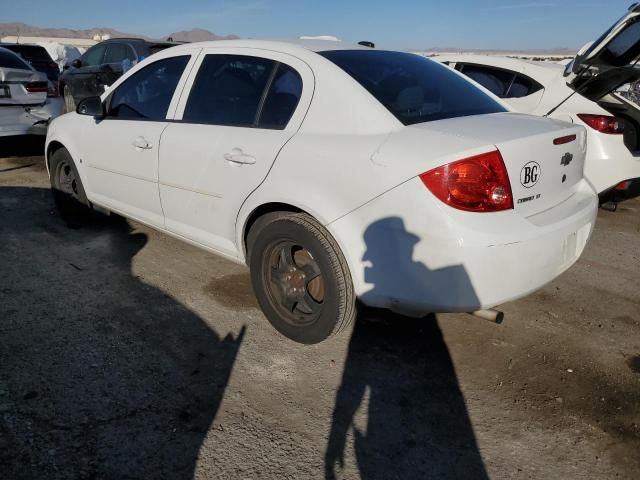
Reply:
x=102, y=65
x=37, y=57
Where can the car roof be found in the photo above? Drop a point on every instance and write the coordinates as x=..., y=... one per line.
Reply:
x=285, y=46
x=141, y=40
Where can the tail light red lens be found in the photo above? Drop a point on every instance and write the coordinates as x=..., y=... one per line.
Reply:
x=622, y=186
x=475, y=184
x=603, y=123
x=36, y=87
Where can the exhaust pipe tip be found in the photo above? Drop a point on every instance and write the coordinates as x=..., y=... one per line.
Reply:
x=493, y=316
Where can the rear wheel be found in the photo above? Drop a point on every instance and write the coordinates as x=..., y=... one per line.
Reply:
x=68, y=192
x=300, y=277
x=69, y=102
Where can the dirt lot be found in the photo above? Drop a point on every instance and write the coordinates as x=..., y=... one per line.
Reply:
x=127, y=354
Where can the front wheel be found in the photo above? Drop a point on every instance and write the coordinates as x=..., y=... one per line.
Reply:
x=68, y=192
x=300, y=277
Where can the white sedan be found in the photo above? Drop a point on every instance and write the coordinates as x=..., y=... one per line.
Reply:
x=336, y=172
x=573, y=94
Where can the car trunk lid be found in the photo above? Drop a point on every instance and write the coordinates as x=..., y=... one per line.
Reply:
x=22, y=87
x=611, y=61
x=544, y=158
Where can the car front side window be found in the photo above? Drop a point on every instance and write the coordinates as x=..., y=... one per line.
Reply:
x=147, y=94
x=94, y=56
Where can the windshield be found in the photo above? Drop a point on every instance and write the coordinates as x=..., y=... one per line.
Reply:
x=412, y=87
x=11, y=60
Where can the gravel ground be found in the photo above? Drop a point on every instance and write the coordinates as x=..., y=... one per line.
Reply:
x=127, y=354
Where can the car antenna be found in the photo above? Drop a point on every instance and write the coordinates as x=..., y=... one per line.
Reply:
x=366, y=43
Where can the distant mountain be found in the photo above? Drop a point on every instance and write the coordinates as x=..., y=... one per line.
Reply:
x=197, y=35
x=546, y=52
x=16, y=29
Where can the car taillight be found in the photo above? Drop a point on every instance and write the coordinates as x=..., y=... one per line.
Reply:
x=36, y=87
x=603, y=123
x=475, y=184
x=52, y=90
x=623, y=186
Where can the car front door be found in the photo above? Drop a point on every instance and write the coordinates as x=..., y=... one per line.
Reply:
x=82, y=80
x=239, y=112
x=121, y=150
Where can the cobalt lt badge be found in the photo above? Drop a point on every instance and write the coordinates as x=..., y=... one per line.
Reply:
x=530, y=174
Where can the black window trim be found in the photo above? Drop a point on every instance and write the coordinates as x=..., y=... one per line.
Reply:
x=265, y=94
x=538, y=86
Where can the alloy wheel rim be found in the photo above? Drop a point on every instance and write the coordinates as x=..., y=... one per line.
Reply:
x=67, y=181
x=294, y=282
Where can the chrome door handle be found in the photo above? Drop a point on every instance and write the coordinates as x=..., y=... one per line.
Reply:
x=239, y=157
x=142, y=143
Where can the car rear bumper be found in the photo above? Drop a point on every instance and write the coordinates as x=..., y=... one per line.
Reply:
x=609, y=161
x=19, y=120
x=409, y=253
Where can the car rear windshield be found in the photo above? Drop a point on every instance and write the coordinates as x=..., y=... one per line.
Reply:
x=11, y=60
x=412, y=87
x=30, y=52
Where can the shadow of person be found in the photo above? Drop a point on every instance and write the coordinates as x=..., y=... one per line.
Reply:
x=101, y=374
x=399, y=399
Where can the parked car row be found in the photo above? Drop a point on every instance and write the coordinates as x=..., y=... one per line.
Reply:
x=103, y=64
x=28, y=99
x=345, y=175
x=584, y=93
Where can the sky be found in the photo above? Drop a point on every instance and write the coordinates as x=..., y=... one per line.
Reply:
x=401, y=24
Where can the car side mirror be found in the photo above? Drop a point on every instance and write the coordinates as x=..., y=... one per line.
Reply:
x=91, y=106
x=77, y=63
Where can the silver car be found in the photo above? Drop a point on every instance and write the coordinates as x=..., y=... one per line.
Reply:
x=27, y=103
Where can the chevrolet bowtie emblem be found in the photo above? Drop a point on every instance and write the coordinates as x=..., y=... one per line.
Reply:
x=567, y=158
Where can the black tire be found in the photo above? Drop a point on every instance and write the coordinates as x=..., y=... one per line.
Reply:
x=67, y=189
x=69, y=101
x=309, y=297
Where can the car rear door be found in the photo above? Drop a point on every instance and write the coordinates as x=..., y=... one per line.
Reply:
x=120, y=151
x=236, y=114
x=118, y=58
x=609, y=62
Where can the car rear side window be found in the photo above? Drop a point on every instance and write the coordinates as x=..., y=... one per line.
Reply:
x=501, y=82
x=228, y=90
x=118, y=52
x=146, y=95
x=282, y=99
x=495, y=80
x=11, y=60
x=412, y=87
